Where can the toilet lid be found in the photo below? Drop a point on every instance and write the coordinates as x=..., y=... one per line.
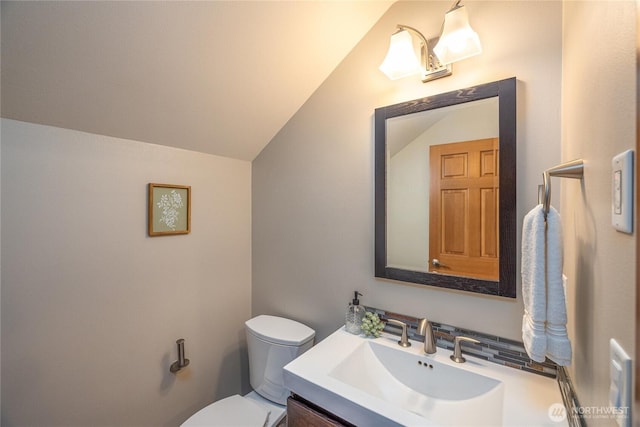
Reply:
x=232, y=411
x=279, y=330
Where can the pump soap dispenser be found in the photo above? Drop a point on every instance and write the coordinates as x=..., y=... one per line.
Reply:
x=355, y=314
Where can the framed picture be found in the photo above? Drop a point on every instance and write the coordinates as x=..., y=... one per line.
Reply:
x=169, y=209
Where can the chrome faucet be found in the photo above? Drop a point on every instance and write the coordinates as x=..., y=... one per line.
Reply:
x=425, y=328
x=457, y=348
x=404, y=339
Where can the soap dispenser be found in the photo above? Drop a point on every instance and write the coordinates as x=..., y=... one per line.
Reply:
x=355, y=314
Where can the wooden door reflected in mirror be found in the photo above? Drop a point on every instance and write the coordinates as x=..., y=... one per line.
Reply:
x=463, y=223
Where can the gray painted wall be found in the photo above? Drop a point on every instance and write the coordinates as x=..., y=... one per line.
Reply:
x=598, y=122
x=91, y=306
x=313, y=184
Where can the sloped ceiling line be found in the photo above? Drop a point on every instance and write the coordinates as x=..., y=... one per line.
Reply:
x=219, y=77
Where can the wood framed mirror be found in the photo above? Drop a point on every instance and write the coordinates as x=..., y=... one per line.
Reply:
x=445, y=190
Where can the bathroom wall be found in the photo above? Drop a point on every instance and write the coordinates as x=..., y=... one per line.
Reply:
x=92, y=306
x=312, y=196
x=598, y=122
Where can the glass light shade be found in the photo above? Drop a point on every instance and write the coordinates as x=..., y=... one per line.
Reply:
x=401, y=60
x=458, y=40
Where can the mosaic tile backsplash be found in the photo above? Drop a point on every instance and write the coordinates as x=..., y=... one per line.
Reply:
x=491, y=348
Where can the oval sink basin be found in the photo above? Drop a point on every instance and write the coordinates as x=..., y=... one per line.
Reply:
x=443, y=394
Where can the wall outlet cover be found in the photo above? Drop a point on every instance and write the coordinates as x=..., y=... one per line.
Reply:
x=620, y=383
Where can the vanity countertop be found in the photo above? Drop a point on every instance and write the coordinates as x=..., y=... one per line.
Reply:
x=526, y=398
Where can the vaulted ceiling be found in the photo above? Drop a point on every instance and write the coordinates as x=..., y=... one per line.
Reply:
x=219, y=77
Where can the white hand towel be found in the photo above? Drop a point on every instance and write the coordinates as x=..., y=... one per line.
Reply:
x=533, y=285
x=558, y=344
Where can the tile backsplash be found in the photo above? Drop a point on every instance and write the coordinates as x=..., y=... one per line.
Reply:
x=491, y=348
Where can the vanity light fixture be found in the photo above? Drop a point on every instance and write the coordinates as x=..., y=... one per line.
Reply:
x=457, y=41
x=401, y=60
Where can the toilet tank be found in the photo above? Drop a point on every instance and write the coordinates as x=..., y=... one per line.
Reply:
x=272, y=343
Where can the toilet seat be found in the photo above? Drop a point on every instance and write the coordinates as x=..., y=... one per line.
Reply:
x=231, y=411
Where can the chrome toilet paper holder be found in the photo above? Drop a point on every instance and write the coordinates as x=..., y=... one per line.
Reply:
x=182, y=362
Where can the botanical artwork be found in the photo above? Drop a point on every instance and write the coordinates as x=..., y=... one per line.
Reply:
x=169, y=209
x=170, y=205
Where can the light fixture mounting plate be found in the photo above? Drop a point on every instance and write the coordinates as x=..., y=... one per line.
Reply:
x=432, y=67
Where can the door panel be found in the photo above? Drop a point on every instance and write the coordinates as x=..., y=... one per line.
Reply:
x=464, y=209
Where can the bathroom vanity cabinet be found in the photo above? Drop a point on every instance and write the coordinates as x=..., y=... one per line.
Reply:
x=301, y=413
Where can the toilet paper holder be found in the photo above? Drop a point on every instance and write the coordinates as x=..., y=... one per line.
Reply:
x=182, y=362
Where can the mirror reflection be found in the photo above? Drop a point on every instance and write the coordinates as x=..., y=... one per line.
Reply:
x=442, y=186
x=445, y=190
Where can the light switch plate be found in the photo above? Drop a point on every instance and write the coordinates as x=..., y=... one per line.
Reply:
x=620, y=383
x=622, y=192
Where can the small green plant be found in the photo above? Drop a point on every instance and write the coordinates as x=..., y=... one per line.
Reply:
x=372, y=326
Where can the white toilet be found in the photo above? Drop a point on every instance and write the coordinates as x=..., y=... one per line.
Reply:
x=272, y=343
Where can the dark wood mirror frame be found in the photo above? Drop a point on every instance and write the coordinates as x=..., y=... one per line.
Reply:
x=505, y=90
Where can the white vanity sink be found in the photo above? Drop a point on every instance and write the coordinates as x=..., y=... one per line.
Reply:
x=379, y=369
x=441, y=393
x=376, y=382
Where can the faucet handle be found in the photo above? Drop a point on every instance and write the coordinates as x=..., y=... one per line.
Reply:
x=457, y=348
x=404, y=339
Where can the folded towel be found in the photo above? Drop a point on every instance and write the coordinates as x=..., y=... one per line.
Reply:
x=558, y=344
x=544, y=330
x=533, y=284
x=534, y=338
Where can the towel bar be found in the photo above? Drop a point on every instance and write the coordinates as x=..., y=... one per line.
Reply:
x=573, y=169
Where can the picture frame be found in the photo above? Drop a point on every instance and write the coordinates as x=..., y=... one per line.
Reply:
x=169, y=209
